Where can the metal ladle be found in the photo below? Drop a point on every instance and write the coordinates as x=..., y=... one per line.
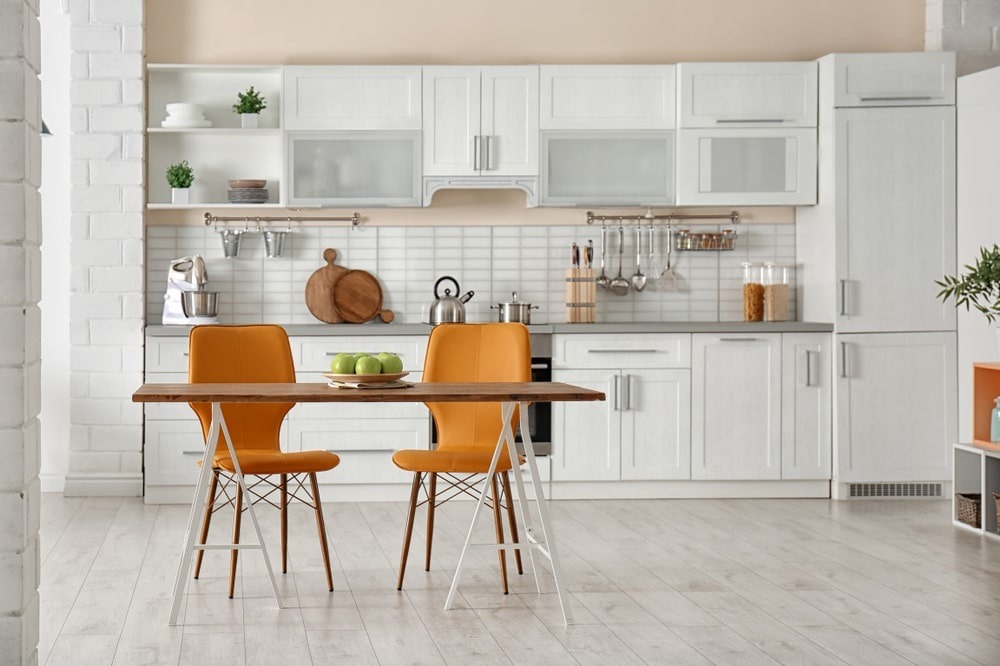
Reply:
x=603, y=281
x=638, y=279
x=620, y=285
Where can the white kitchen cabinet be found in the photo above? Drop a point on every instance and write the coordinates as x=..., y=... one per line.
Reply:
x=642, y=431
x=219, y=153
x=806, y=406
x=480, y=121
x=747, y=166
x=893, y=79
x=337, y=169
x=895, y=173
x=352, y=98
x=896, y=407
x=607, y=97
x=747, y=94
x=736, y=406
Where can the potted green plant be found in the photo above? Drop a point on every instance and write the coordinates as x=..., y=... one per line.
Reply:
x=978, y=286
x=180, y=176
x=249, y=106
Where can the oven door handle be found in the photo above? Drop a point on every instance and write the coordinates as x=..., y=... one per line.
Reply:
x=540, y=366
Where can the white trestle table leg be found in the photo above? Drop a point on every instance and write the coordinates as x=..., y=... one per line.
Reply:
x=524, y=513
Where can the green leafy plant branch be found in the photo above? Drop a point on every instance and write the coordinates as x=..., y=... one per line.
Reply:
x=978, y=287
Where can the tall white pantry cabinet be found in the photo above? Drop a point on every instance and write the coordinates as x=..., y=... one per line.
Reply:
x=883, y=231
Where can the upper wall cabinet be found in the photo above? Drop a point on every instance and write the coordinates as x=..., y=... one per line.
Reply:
x=607, y=97
x=352, y=98
x=738, y=94
x=894, y=79
x=210, y=138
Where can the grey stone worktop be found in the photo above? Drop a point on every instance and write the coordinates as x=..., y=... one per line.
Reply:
x=378, y=328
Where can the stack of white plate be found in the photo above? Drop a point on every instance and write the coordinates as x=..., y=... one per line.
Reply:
x=183, y=115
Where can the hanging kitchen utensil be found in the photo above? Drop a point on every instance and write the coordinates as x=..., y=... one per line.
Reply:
x=651, y=259
x=620, y=285
x=670, y=277
x=602, y=280
x=638, y=279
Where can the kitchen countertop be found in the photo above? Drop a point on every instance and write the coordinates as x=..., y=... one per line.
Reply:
x=378, y=328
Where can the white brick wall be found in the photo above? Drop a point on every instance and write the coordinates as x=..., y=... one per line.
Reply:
x=20, y=330
x=971, y=28
x=106, y=279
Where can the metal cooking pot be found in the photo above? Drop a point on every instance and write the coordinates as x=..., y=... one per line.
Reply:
x=448, y=309
x=200, y=303
x=515, y=310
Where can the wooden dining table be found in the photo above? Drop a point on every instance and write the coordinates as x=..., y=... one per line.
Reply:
x=509, y=395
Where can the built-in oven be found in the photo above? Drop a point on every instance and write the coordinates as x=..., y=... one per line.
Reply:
x=539, y=413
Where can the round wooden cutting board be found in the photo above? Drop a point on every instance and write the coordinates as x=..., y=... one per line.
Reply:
x=357, y=296
x=320, y=288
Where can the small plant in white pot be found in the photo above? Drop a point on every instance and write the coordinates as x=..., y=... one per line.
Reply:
x=978, y=287
x=180, y=176
x=249, y=106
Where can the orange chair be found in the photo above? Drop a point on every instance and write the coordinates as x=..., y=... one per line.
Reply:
x=254, y=354
x=467, y=432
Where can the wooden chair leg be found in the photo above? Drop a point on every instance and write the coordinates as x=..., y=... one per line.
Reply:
x=499, y=526
x=206, y=521
x=236, y=539
x=414, y=491
x=505, y=478
x=283, y=505
x=321, y=526
x=431, y=499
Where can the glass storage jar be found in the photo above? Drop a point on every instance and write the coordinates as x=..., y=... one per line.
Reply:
x=753, y=291
x=775, y=292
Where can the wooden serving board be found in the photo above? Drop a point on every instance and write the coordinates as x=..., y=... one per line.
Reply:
x=357, y=297
x=320, y=288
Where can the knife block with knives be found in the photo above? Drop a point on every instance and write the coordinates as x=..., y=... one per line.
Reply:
x=581, y=288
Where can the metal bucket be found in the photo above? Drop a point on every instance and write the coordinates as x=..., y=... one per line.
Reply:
x=231, y=242
x=273, y=242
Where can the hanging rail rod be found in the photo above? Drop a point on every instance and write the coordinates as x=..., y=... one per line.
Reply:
x=210, y=219
x=733, y=217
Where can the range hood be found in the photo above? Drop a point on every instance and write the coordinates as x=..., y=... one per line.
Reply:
x=528, y=184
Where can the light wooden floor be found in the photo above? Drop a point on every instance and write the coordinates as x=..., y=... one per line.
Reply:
x=671, y=582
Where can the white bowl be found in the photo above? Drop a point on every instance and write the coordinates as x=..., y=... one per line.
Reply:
x=185, y=110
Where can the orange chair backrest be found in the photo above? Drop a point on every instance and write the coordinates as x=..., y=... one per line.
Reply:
x=256, y=354
x=474, y=353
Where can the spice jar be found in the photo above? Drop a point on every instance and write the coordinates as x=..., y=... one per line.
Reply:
x=753, y=291
x=775, y=292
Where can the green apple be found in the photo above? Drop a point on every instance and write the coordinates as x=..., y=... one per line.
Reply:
x=342, y=364
x=360, y=354
x=368, y=365
x=390, y=363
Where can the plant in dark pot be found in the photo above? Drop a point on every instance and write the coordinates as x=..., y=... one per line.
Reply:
x=179, y=177
x=249, y=106
x=978, y=286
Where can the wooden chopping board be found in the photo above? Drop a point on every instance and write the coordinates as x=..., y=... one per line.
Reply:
x=320, y=287
x=357, y=296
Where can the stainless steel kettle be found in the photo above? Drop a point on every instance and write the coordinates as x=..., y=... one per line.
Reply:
x=448, y=309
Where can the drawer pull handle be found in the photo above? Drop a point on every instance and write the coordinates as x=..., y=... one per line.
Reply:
x=184, y=353
x=750, y=120
x=739, y=339
x=623, y=351
x=193, y=453
x=911, y=98
x=337, y=352
x=341, y=452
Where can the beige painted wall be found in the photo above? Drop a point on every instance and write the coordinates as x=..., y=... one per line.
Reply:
x=518, y=31
x=524, y=31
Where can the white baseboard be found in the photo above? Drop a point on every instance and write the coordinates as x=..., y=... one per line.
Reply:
x=688, y=489
x=103, y=485
x=52, y=483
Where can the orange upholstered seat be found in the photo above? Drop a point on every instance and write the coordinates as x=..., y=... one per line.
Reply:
x=253, y=354
x=467, y=432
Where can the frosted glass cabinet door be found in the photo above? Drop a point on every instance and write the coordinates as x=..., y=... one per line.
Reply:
x=746, y=167
x=609, y=168
x=354, y=168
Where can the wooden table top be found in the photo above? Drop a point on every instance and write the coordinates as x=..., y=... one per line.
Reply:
x=322, y=392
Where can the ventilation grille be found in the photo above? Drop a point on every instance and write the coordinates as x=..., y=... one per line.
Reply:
x=873, y=490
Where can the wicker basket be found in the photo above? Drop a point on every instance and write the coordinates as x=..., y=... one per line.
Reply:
x=996, y=506
x=970, y=508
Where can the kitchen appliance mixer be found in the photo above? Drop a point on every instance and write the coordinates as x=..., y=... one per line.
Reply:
x=186, y=300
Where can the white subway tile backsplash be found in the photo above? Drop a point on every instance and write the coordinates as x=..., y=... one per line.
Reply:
x=493, y=262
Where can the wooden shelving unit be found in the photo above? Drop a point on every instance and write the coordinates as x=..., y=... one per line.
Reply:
x=976, y=466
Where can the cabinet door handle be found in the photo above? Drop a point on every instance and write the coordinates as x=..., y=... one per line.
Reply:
x=843, y=298
x=739, y=339
x=476, y=140
x=843, y=360
x=488, y=156
x=617, y=400
x=723, y=121
x=627, y=390
x=622, y=351
x=809, y=365
x=193, y=453
x=341, y=452
x=911, y=98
